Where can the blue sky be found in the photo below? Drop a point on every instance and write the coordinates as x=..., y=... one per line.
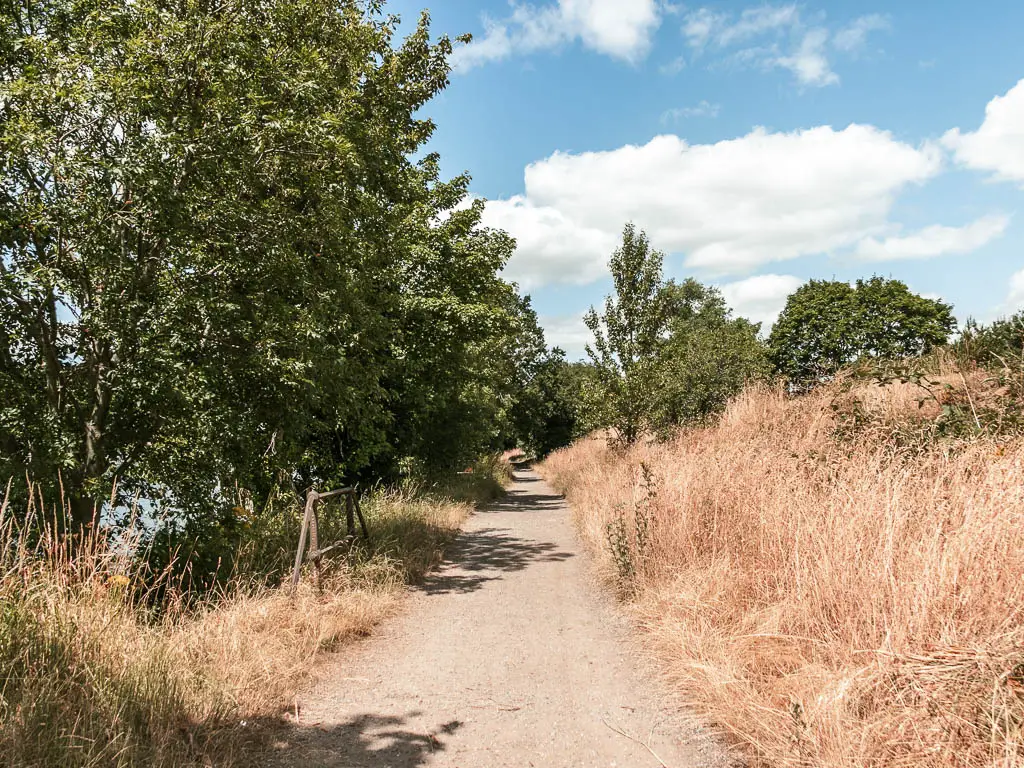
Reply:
x=758, y=144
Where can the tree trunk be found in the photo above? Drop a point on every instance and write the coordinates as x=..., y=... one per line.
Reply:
x=83, y=512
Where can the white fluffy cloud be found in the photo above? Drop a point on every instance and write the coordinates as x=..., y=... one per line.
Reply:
x=1015, y=298
x=777, y=37
x=935, y=240
x=760, y=298
x=619, y=28
x=567, y=332
x=808, y=61
x=731, y=207
x=998, y=145
x=550, y=247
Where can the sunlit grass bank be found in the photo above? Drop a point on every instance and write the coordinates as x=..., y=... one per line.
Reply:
x=836, y=579
x=95, y=672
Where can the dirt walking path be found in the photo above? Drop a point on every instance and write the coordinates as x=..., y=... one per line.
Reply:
x=506, y=657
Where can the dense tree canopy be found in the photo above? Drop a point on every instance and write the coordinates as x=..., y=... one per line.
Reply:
x=221, y=264
x=706, y=358
x=561, y=402
x=827, y=324
x=628, y=333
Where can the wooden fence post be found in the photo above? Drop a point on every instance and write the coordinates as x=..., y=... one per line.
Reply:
x=306, y=517
x=314, y=542
x=362, y=520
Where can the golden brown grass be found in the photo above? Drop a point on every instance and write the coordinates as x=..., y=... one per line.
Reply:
x=830, y=596
x=89, y=677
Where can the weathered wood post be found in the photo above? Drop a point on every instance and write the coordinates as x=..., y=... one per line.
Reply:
x=306, y=517
x=362, y=520
x=314, y=542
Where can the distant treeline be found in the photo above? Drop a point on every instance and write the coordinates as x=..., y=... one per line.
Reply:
x=667, y=355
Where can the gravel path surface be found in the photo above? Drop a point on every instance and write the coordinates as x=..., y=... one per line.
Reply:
x=507, y=656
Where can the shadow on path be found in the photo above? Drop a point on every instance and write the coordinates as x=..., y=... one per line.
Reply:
x=477, y=557
x=360, y=742
x=524, y=500
x=521, y=501
x=379, y=740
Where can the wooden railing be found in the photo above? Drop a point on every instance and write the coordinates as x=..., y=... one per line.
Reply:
x=310, y=521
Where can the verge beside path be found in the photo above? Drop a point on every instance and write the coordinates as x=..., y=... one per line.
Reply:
x=506, y=657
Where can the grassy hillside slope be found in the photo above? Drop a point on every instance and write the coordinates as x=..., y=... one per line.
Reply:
x=837, y=579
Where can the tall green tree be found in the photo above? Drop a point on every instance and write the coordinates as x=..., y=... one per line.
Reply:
x=829, y=324
x=465, y=351
x=627, y=334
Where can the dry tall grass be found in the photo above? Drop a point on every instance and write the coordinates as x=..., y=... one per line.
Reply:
x=832, y=595
x=89, y=678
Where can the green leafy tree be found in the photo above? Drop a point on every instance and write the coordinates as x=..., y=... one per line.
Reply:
x=707, y=357
x=221, y=262
x=628, y=332
x=549, y=413
x=591, y=405
x=456, y=354
x=829, y=324
x=999, y=344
